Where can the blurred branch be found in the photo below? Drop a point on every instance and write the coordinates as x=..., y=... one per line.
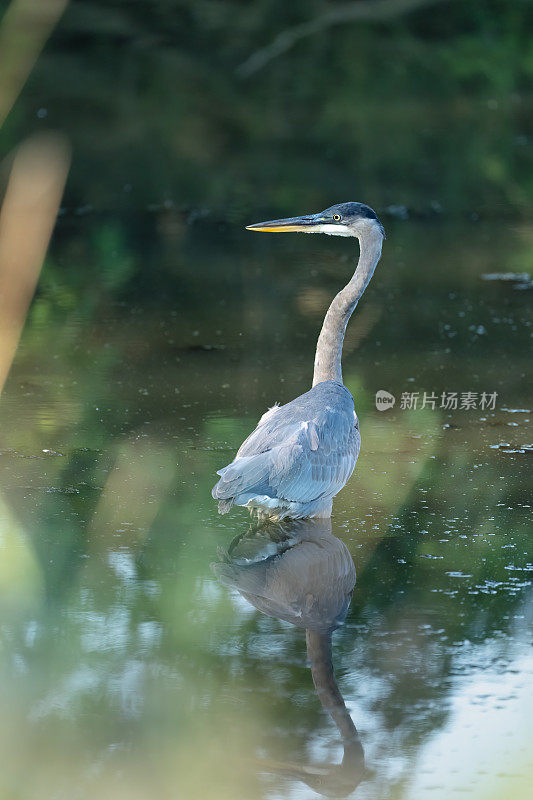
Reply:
x=25, y=27
x=371, y=10
x=27, y=219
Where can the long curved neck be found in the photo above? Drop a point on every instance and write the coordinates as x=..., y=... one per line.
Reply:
x=329, y=346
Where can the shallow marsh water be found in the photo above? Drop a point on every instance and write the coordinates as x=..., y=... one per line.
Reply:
x=127, y=669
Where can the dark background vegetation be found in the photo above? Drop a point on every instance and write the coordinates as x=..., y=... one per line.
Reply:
x=429, y=109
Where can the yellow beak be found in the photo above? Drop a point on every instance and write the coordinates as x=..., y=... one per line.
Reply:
x=289, y=225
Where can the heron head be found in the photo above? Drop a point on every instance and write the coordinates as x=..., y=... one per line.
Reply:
x=344, y=219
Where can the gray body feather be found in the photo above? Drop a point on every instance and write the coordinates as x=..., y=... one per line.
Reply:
x=297, y=459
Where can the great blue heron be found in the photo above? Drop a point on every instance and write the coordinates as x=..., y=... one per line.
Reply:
x=302, y=453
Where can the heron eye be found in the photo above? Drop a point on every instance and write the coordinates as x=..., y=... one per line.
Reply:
x=337, y=217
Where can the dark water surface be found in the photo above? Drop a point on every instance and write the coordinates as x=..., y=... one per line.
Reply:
x=127, y=669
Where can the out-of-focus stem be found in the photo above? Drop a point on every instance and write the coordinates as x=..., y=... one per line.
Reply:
x=27, y=218
x=24, y=29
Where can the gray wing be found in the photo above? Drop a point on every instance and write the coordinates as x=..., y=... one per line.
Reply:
x=302, y=451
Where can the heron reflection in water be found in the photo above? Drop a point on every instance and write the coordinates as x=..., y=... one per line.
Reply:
x=302, y=453
x=304, y=575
